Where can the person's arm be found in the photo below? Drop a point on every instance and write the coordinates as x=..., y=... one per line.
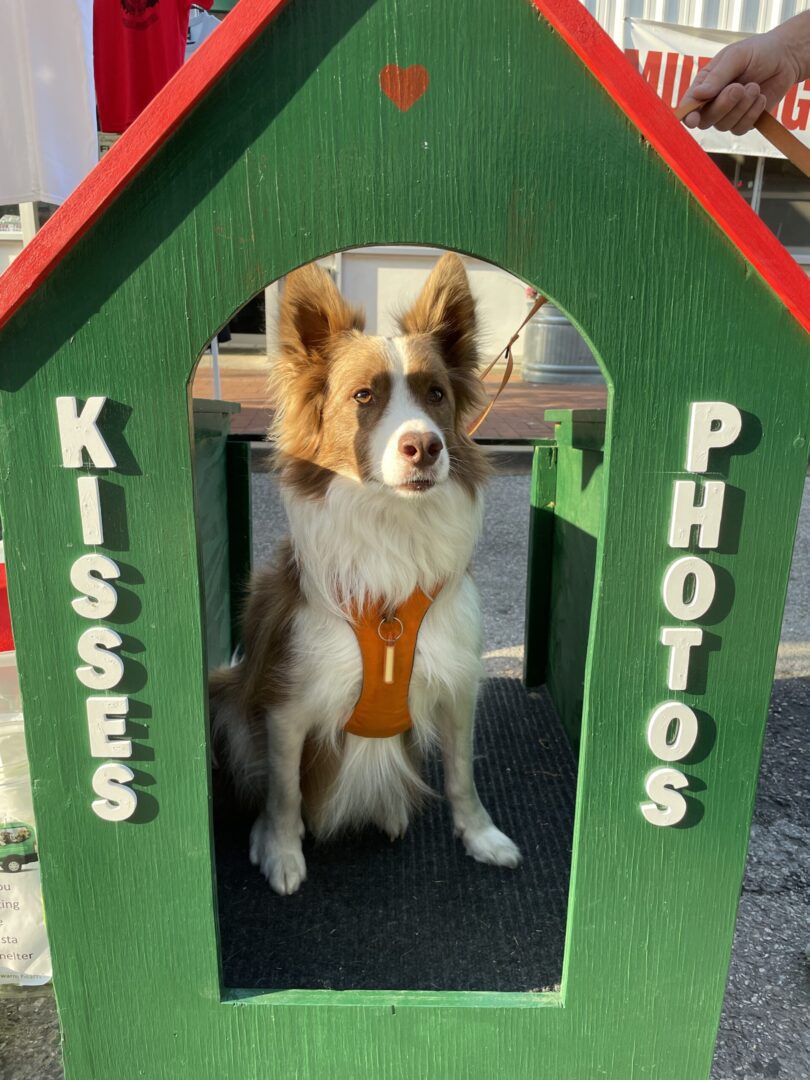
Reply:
x=750, y=76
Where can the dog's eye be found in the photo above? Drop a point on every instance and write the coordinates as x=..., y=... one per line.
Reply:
x=363, y=397
x=435, y=394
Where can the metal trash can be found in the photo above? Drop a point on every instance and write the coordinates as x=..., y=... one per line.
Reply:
x=555, y=352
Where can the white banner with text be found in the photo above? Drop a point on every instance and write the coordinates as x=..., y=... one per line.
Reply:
x=669, y=57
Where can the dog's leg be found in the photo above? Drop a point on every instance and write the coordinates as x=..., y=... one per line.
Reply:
x=482, y=840
x=275, y=839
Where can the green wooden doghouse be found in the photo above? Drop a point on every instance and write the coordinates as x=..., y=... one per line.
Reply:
x=516, y=132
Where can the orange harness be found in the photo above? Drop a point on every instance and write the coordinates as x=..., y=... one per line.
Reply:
x=387, y=646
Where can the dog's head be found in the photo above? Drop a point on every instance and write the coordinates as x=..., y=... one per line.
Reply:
x=390, y=412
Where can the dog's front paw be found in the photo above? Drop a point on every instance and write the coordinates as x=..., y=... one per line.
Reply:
x=395, y=824
x=285, y=870
x=281, y=863
x=490, y=845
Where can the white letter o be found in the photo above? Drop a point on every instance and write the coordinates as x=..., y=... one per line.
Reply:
x=675, y=583
x=658, y=729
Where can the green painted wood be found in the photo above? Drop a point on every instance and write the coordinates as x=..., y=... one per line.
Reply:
x=515, y=154
x=212, y=492
x=538, y=570
x=240, y=535
x=577, y=522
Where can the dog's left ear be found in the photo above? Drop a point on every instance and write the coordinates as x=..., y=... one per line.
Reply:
x=445, y=309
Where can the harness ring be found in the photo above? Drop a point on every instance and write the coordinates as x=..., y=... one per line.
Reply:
x=390, y=640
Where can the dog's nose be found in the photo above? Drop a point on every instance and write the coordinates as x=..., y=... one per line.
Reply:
x=420, y=447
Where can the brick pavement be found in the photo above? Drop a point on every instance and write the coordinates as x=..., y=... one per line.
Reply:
x=517, y=416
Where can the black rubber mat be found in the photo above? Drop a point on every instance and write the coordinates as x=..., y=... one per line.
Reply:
x=419, y=913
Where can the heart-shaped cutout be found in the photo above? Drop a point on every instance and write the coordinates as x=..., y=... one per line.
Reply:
x=404, y=86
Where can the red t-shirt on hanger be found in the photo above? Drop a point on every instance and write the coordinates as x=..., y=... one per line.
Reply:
x=137, y=45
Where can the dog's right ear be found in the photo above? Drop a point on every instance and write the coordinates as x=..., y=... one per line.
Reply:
x=312, y=312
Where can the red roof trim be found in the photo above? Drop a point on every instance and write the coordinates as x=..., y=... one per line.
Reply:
x=133, y=150
x=574, y=24
x=681, y=152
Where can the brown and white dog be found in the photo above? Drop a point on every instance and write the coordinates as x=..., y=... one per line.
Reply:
x=383, y=492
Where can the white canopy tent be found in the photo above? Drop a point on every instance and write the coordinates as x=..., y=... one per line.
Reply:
x=48, y=139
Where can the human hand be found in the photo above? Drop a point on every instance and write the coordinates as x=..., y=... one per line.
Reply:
x=745, y=79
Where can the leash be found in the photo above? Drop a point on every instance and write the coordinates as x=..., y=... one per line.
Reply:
x=769, y=127
x=507, y=352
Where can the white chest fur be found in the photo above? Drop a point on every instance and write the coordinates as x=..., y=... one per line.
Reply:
x=363, y=540
x=369, y=543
